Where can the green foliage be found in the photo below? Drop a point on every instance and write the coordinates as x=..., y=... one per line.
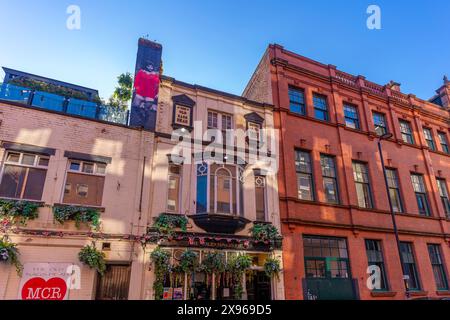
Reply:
x=93, y=258
x=272, y=267
x=188, y=261
x=123, y=91
x=78, y=214
x=237, y=266
x=213, y=263
x=161, y=260
x=240, y=263
x=265, y=232
x=10, y=254
x=166, y=223
x=51, y=88
x=21, y=211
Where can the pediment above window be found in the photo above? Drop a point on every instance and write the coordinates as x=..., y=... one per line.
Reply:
x=254, y=117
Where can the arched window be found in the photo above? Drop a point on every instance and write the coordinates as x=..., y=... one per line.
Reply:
x=219, y=189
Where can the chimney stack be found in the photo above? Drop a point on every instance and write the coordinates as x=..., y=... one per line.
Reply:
x=395, y=86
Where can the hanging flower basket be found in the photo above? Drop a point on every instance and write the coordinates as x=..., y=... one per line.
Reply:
x=272, y=268
x=265, y=232
x=166, y=223
x=10, y=254
x=93, y=258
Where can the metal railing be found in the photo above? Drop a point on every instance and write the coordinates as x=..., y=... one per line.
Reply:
x=54, y=102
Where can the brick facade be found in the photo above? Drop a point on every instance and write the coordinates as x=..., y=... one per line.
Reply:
x=346, y=219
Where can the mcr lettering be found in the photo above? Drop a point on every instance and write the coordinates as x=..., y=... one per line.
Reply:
x=39, y=289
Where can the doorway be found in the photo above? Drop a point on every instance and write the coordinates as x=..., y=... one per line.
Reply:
x=259, y=287
x=115, y=283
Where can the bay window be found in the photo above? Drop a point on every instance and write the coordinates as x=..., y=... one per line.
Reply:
x=219, y=188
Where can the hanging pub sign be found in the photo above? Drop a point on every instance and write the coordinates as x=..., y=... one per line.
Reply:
x=47, y=281
x=146, y=85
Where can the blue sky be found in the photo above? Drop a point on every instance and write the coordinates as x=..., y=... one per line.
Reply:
x=218, y=43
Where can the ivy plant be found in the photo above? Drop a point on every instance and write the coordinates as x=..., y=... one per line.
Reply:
x=19, y=210
x=161, y=261
x=264, y=232
x=10, y=254
x=93, y=258
x=166, y=223
x=272, y=267
x=80, y=215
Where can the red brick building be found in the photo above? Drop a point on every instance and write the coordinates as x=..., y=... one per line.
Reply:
x=334, y=206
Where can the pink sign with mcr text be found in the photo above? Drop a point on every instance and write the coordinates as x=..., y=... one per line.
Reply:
x=45, y=281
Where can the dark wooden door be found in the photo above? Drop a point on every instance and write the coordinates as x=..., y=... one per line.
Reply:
x=115, y=283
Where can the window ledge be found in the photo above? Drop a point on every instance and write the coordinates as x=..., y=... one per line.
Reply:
x=443, y=292
x=25, y=200
x=383, y=294
x=418, y=293
x=101, y=209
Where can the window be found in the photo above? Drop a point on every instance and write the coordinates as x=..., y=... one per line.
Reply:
x=351, y=116
x=304, y=175
x=297, y=101
x=440, y=276
x=379, y=120
x=254, y=130
x=394, y=190
x=326, y=257
x=213, y=120
x=330, y=185
x=260, y=198
x=84, y=183
x=429, y=138
x=421, y=194
x=443, y=141
x=320, y=107
x=23, y=176
x=227, y=122
x=220, y=121
x=174, y=188
x=375, y=258
x=405, y=129
x=225, y=185
x=443, y=192
x=362, y=182
x=409, y=264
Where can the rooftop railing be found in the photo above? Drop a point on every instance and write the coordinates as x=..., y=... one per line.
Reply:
x=71, y=106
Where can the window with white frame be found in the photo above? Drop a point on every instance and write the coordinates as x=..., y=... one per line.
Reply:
x=254, y=131
x=23, y=176
x=174, y=188
x=84, y=183
x=221, y=121
x=219, y=188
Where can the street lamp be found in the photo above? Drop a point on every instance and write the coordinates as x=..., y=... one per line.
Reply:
x=394, y=223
